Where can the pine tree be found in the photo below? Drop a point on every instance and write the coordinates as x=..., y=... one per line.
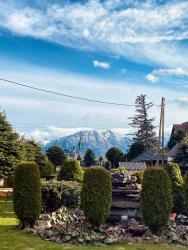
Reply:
x=89, y=158
x=10, y=153
x=31, y=151
x=144, y=125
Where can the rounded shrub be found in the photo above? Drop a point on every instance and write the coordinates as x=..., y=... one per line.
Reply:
x=177, y=182
x=71, y=171
x=27, y=193
x=156, y=198
x=47, y=169
x=96, y=194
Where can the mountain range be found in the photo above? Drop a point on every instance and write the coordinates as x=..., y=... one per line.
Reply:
x=97, y=140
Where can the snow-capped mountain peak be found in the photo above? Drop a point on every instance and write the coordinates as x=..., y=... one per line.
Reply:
x=97, y=140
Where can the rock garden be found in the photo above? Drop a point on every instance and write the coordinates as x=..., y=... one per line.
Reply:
x=99, y=207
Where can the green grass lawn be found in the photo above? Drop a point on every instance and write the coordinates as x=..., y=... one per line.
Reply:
x=11, y=237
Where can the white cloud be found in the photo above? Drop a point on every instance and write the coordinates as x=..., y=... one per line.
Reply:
x=29, y=109
x=103, y=65
x=52, y=132
x=154, y=76
x=182, y=101
x=138, y=30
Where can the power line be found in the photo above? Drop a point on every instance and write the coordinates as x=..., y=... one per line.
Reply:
x=66, y=95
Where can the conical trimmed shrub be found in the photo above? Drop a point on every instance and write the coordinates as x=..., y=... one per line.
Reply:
x=156, y=198
x=96, y=194
x=27, y=193
x=177, y=182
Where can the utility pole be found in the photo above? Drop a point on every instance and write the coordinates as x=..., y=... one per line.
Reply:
x=160, y=150
x=163, y=128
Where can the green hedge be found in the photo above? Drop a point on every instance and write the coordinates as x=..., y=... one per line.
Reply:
x=96, y=194
x=177, y=182
x=139, y=175
x=186, y=192
x=47, y=169
x=60, y=193
x=156, y=198
x=71, y=171
x=27, y=193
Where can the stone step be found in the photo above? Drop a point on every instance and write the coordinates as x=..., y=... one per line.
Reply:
x=125, y=191
x=125, y=204
x=125, y=198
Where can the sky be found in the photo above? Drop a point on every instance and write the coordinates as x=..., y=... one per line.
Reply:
x=110, y=50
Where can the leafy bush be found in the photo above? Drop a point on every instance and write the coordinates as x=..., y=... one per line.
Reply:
x=186, y=192
x=56, y=194
x=96, y=194
x=48, y=169
x=156, y=198
x=71, y=171
x=27, y=193
x=177, y=182
x=139, y=176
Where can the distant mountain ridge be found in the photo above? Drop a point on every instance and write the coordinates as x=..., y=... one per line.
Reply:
x=98, y=141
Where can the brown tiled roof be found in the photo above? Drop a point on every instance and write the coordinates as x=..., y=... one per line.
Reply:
x=183, y=126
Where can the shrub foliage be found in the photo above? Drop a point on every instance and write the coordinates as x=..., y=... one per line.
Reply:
x=89, y=158
x=96, y=194
x=48, y=169
x=186, y=192
x=56, y=155
x=139, y=175
x=10, y=154
x=177, y=182
x=56, y=194
x=71, y=171
x=156, y=198
x=27, y=193
x=114, y=155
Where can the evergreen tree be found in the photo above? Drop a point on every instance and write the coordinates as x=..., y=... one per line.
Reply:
x=89, y=158
x=56, y=155
x=31, y=151
x=10, y=153
x=135, y=149
x=100, y=160
x=175, y=138
x=181, y=157
x=144, y=125
x=114, y=155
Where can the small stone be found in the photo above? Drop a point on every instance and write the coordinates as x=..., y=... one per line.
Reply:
x=148, y=238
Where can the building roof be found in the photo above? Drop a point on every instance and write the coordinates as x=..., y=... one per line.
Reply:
x=182, y=126
x=148, y=155
x=133, y=165
x=173, y=151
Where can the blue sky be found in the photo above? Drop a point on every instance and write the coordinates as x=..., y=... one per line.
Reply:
x=110, y=50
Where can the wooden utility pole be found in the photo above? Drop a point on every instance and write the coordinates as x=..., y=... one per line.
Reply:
x=161, y=134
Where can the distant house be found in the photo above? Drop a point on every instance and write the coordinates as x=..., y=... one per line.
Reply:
x=150, y=158
x=133, y=166
x=183, y=126
x=172, y=153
